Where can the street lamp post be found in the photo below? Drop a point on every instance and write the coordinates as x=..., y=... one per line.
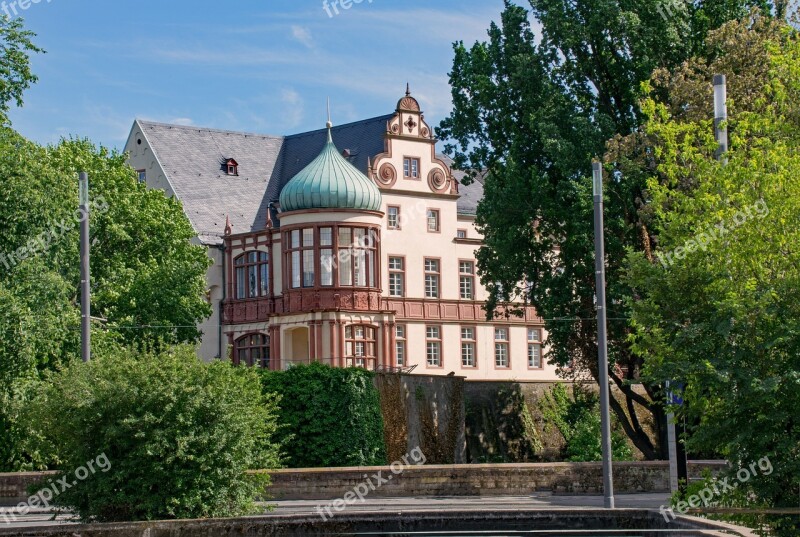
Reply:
x=86, y=335
x=721, y=115
x=602, y=338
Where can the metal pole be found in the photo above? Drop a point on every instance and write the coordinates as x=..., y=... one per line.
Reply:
x=86, y=344
x=602, y=341
x=672, y=445
x=720, y=115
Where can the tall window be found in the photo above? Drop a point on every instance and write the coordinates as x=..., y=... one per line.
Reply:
x=433, y=345
x=501, y=347
x=308, y=258
x=397, y=276
x=411, y=168
x=534, y=348
x=142, y=175
x=326, y=256
x=252, y=275
x=301, y=257
x=468, y=347
x=253, y=350
x=393, y=217
x=400, y=344
x=360, y=345
x=357, y=257
x=432, y=278
x=466, y=279
x=433, y=220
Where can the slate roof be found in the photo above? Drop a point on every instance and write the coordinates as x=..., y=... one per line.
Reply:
x=193, y=159
x=471, y=194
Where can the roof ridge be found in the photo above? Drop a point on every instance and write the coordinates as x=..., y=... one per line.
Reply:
x=343, y=126
x=144, y=122
x=314, y=132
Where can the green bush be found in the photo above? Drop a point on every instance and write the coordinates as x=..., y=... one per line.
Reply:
x=328, y=416
x=179, y=435
x=584, y=444
x=577, y=418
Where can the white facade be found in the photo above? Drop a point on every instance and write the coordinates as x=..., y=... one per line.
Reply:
x=424, y=307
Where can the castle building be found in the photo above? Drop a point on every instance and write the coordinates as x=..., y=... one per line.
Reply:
x=351, y=245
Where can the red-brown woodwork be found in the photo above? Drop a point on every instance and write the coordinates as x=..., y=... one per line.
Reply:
x=450, y=310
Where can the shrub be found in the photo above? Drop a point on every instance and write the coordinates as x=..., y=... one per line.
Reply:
x=577, y=418
x=328, y=416
x=179, y=435
x=584, y=444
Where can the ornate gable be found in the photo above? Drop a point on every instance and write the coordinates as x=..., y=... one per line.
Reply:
x=409, y=161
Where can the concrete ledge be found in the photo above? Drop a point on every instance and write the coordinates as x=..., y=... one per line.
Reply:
x=627, y=522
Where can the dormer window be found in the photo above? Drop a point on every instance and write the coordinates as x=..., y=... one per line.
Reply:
x=232, y=167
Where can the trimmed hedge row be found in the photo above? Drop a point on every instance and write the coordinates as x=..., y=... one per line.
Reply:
x=328, y=416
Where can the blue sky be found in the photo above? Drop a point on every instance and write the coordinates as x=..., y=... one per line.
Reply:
x=262, y=66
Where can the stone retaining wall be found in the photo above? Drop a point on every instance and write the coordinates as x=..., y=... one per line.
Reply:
x=440, y=480
x=14, y=487
x=478, y=479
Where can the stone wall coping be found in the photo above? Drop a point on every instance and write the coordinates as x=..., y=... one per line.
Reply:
x=425, y=467
x=27, y=474
x=491, y=466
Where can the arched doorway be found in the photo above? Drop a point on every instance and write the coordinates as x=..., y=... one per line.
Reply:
x=297, y=346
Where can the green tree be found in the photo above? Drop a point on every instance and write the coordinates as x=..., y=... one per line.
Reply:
x=145, y=271
x=530, y=115
x=717, y=298
x=15, y=70
x=147, y=436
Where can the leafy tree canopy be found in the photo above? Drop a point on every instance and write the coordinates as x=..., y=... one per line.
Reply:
x=717, y=298
x=145, y=271
x=15, y=70
x=529, y=115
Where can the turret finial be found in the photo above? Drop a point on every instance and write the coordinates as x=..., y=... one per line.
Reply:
x=329, y=124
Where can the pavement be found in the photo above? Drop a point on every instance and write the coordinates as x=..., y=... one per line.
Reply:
x=544, y=501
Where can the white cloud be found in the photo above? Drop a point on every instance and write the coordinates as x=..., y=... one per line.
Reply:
x=185, y=121
x=239, y=56
x=303, y=35
x=294, y=109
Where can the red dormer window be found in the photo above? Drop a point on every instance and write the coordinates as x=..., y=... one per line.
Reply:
x=232, y=166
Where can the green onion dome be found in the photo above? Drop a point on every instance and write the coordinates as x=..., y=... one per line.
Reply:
x=330, y=182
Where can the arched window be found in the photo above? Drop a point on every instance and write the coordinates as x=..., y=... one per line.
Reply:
x=252, y=275
x=253, y=350
x=360, y=345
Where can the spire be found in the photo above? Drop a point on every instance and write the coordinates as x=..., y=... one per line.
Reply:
x=408, y=89
x=228, y=226
x=269, y=218
x=329, y=125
